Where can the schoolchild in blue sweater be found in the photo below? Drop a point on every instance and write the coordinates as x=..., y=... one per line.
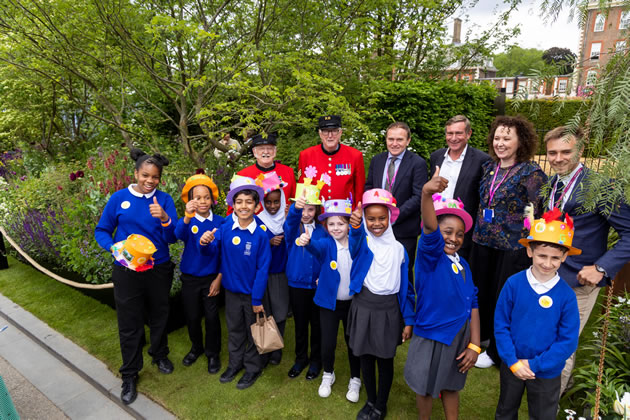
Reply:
x=382, y=309
x=333, y=294
x=141, y=209
x=536, y=322
x=201, y=281
x=446, y=329
x=302, y=272
x=245, y=257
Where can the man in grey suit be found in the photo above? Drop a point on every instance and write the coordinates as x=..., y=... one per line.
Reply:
x=461, y=165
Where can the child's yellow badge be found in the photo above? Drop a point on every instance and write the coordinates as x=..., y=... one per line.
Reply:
x=236, y=240
x=333, y=265
x=194, y=229
x=297, y=241
x=263, y=227
x=125, y=205
x=455, y=269
x=545, y=301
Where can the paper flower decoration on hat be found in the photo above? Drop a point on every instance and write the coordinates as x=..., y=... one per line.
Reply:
x=529, y=216
x=310, y=172
x=552, y=229
x=270, y=182
x=325, y=178
x=443, y=205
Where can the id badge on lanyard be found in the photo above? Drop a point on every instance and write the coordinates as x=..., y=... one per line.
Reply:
x=488, y=215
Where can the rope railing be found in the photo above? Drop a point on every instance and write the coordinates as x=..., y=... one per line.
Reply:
x=50, y=273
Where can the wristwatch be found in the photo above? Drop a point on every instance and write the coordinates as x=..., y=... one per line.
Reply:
x=601, y=270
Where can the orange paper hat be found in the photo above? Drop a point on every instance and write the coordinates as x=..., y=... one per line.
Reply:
x=135, y=252
x=552, y=230
x=200, y=179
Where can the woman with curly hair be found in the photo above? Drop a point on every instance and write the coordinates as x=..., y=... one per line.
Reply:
x=510, y=181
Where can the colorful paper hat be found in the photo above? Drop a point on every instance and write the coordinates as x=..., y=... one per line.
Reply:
x=329, y=121
x=381, y=196
x=443, y=205
x=312, y=191
x=336, y=208
x=270, y=182
x=199, y=179
x=135, y=252
x=551, y=229
x=240, y=183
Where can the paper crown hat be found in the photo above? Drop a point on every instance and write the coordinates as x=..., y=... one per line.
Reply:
x=310, y=190
x=336, y=208
x=270, y=182
x=199, y=179
x=443, y=205
x=135, y=252
x=550, y=229
x=240, y=183
x=381, y=196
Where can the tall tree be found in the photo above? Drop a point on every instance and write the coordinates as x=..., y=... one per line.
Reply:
x=519, y=61
x=563, y=58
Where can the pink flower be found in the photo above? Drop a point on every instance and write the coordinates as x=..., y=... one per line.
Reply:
x=59, y=187
x=310, y=172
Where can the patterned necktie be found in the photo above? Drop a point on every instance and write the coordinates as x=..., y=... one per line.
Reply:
x=391, y=173
x=558, y=194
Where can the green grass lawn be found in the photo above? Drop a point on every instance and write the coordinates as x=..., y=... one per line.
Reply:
x=191, y=393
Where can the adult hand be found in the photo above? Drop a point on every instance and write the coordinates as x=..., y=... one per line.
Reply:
x=524, y=372
x=436, y=184
x=589, y=276
x=207, y=237
x=276, y=240
x=357, y=216
x=304, y=239
x=407, y=331
x=467, y=358
x=257, y=308
x=215, y=286
x=301, y=201
x=157, y=211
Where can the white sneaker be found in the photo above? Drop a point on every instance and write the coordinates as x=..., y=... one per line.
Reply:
x=484, y=361
x=354, y=386
x=325, y=388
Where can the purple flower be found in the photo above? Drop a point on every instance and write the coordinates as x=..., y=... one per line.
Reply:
x=23, y=177
x=73, y=176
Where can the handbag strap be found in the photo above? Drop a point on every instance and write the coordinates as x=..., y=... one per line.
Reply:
x=259, y=320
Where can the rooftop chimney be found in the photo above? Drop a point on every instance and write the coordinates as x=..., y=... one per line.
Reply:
x=457, y=31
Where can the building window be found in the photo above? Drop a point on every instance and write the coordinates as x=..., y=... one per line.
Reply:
x=562, y=86
x=509, y=86
x=620, y=46
x=591, y=77
x=596, y=48
x=600, y=20
x=624, y=22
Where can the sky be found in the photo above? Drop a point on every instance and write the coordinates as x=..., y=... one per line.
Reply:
x=535, y=33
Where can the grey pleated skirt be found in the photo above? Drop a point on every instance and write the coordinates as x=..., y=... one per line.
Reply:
x=375, y=324
x=431, y=366
x=276, y=299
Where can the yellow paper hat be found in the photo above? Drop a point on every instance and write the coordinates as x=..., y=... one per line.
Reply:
x=551, y=229
x=135, y=251
x=200, y=179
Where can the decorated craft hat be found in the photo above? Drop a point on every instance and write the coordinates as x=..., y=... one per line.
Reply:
x=551, y=229
x=443, y=205
x=311, y=190
x=240, y=183
x=336, y=208
x=381, y=196
x=135, y=252
x=199, y=179
x=270, y=182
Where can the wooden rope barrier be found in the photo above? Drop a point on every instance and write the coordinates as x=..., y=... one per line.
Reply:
x=51, y=274
x=602, y=351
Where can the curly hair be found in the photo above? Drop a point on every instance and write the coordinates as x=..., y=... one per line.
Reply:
x=525, y=132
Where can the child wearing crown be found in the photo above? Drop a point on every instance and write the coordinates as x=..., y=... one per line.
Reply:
x=536, y=322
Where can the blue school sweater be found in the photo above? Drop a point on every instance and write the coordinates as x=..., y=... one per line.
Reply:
x=278, y=252
x=445, y=298
x=362, y=258
x=524, y=329
x=302, y=267
x=245, y=258
x=127, y=212
x=194, y=263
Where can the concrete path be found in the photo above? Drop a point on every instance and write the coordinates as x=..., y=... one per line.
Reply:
x=50, y=377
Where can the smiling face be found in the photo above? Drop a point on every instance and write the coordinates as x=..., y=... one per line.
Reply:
x=330, y=138
x=397, y=141
x=308, y=213
x=457, y=137
x=338, y=227
x=563, y=155
x=273, y=202
x=545, y=260
x=202, y=195
x=147, y=178
x=377, y=219
x=264, y=154
x=505, y=144
x=452, y=229
x=244, y=206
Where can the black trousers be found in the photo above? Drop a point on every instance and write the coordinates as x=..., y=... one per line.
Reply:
x=410, y=245
x=239, y=316
x=4, y=263
x=385, y=379
x=330, y=327
x=198, y=305
x=136, y=294
x=305, y=312
x=542, y=396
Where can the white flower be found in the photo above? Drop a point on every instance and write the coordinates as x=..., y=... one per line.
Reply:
x=622, y=407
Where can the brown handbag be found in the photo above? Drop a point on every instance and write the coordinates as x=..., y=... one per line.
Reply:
x=266, y=334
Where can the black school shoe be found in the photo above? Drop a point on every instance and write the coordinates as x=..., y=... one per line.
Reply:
x=313, y=372
x=229, y=375
x=377, y=414
x=276, y=357
x=296, y=370
x=364, y=413
x=214, y=364
x=248, y=379
x=129, y=392
x=165, y=366
x=191, y=358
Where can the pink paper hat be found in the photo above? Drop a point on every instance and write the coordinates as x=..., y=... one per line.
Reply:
x=381, y=196
x=335, y=208
x=240, y=183
x=445, y=205
x=270, y=182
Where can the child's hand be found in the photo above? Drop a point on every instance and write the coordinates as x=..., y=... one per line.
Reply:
x=276, y=240
x=406, y=334
x=304, y=239
x=286, y=211
x=215, y=286
x=157, y=211
x=257, y=309
x=301, y=202
x=524, y=372
x=191, y=206
x=357, y=216
x=207, y=237
x=468, y=359
x=437, y=184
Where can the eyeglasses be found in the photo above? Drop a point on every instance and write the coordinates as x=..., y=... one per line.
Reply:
x=330, y=131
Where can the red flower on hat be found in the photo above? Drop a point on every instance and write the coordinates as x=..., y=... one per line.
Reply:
x=200, y=171
x=552, y=215
x=569, y=221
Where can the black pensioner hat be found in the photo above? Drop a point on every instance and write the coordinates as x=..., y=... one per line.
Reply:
x=329, y=121
x=259, y=140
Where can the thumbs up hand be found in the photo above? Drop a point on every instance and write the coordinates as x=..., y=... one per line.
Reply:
x=357, y=216
x=301, y=202
x=304, y=239
x=437, y=184
x=157, y=211
x=207, y=237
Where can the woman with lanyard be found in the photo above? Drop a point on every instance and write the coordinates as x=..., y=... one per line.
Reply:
x=141, y=209
x=510, y=181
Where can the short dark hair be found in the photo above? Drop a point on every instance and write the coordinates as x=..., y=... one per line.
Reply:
x=459, y=118
x=248, y=192
x=534, y=244
x=142, y=158
x=399, y=124
x=527, y=137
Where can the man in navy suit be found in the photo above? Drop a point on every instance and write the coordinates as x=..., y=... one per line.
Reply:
x=588, y=272
x=461, y=165
x=403, y=173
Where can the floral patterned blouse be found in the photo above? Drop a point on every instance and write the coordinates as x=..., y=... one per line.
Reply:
x=521, y=186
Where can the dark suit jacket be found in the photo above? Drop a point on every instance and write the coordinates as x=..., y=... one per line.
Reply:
x=411, y=177
x=591, y=235
x=467, y=188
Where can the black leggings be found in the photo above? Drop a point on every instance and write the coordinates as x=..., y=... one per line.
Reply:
x=385, y=379
x=329, y=322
